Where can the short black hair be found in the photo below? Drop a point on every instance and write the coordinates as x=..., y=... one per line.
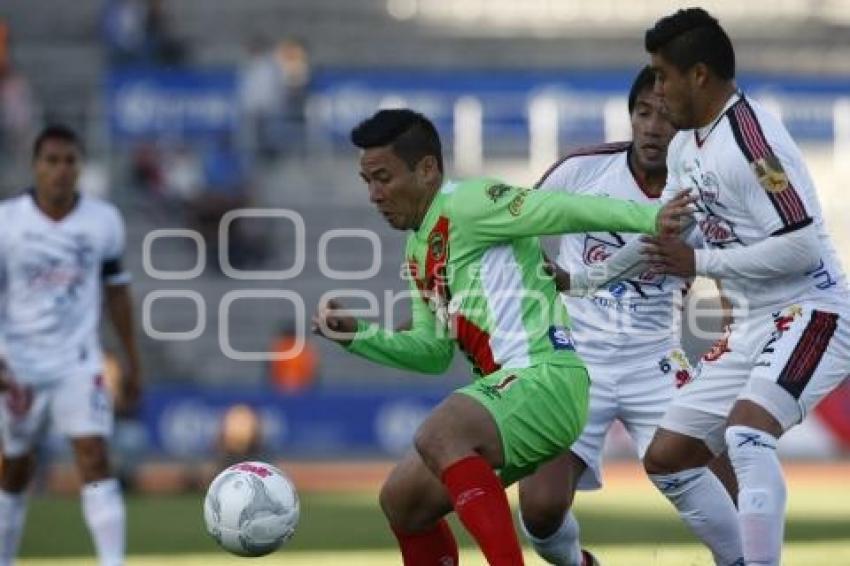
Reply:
x=645, y=80
x=411, y=135
x=56, y=132
x=693, y=36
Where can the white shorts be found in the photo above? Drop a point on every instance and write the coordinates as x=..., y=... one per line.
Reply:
x=636, y=394
x=76, y=407
x=785, y=361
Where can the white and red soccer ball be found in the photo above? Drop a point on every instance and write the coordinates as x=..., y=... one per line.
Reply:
x=251, y=509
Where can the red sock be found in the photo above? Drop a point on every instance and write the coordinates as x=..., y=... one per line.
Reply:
x=480, y=501
x=434, y=547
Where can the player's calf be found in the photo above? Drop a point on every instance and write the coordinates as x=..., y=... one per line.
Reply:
x=547, y=494
x=412, y=498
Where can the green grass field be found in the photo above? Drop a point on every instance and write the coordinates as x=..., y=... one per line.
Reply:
x=625, y=524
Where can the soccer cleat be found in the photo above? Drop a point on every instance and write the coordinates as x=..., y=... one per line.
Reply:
x=587, y=559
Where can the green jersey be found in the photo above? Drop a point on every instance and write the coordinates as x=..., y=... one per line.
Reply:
x=476, y=278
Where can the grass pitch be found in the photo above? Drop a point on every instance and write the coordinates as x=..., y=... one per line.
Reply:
x=627, y=523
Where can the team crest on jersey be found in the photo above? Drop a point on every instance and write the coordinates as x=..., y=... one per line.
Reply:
x=496, y=192
x=437, y=245
x=598, y=249
x=771, y=175
x=717, y=230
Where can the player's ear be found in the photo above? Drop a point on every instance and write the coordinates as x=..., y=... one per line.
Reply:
x=699, y=75
x=427, y=169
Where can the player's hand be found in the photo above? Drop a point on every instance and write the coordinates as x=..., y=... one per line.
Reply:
x=334, y=323
x=669, y=255
x=671, y=219
x=561, y=277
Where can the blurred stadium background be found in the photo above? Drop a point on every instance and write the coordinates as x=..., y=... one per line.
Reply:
x=195, y=108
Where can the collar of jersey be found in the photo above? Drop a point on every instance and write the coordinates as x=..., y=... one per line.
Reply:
x=703, y=133
x=77, y=197
x=434, y=209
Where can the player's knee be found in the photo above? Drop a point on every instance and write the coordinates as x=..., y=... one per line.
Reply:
x=16, y=473
x=387, y=501
x=660, y=460
x=92, y=460
x=431, y=448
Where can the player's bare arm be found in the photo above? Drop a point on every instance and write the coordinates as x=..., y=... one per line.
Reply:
x=119, y=305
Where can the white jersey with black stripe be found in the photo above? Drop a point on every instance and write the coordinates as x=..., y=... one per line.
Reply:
x=631, y=318
x=753, y=183
x=51, y=278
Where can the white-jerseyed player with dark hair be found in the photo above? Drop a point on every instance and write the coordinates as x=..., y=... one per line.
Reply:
x=60, y=259
x=764, y=239
x=628, y=332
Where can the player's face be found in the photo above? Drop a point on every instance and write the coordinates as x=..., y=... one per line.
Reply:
x=57, y=168
x=651, y=131
x=675, y=89
x=393, y=188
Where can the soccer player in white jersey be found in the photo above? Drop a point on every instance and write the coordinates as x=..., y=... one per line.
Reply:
x=627, y=333
x=60, y=255
x=765, y=240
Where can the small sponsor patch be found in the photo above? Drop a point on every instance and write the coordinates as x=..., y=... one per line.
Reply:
x=496, y=192
x=561, y=338
x=771, y=175
x=515, y=207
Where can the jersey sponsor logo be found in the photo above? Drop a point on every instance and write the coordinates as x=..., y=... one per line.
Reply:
x=496, y=192
x=515, y=206
x=597, y=250
x=561, y=338
x=771, y=175
x=717, y=231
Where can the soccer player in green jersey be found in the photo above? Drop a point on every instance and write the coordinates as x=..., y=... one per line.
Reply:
x=474, y=265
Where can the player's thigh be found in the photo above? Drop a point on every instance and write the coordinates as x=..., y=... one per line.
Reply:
x=602, y=410
x=646, y=390
x=412, y=497
x=82, y=407
x=458, y=427
x=699, y=409
x=806, y=356
x=23, y=419
x=539, y=412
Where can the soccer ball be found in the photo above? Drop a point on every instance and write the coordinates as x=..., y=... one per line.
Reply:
x=251, y=509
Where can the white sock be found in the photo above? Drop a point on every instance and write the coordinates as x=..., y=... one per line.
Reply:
x=103, y=509
x=707, y=509
x=761, y=493
x=561, y=547
x=13, y=510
